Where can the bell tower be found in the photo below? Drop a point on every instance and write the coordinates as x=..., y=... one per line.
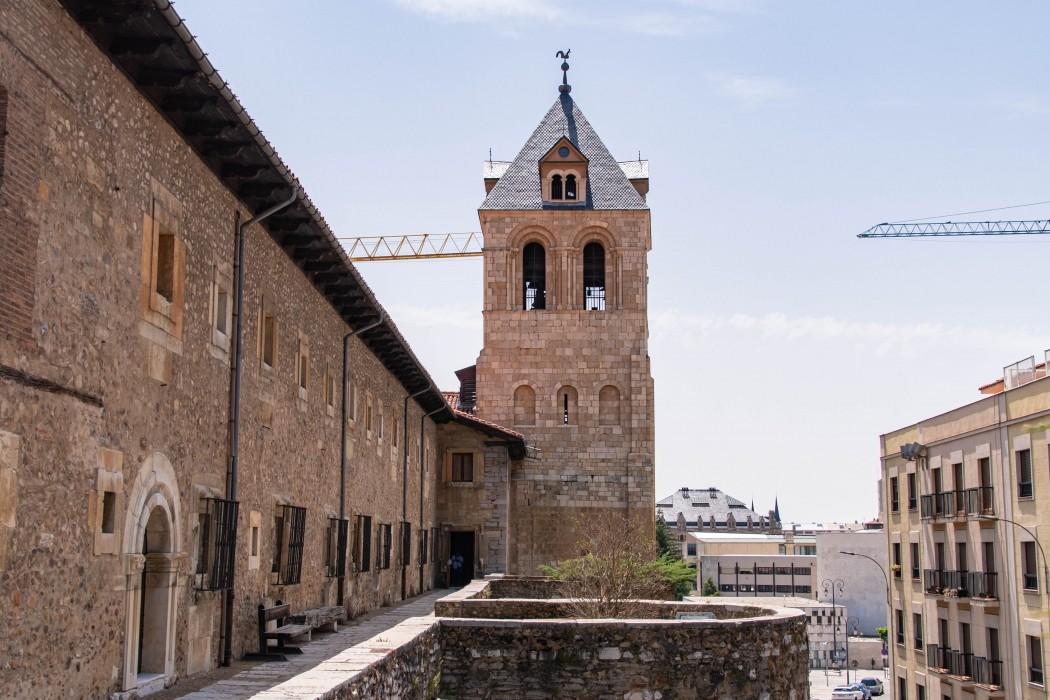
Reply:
x=565, y=360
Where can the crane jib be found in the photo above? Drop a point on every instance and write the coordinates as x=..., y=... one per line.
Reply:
x=958, y=228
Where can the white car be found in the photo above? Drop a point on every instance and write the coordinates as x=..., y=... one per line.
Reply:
x=874, y=685
x=844, y=692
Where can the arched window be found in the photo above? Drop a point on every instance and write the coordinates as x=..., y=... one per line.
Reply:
x=524, y=405
x=534, y=277
x=568, y=401
x=594, y=277
x=609, y=406
x=556, y=187
x=570, y=187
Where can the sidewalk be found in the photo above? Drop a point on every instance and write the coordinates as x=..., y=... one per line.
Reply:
x=264, y=676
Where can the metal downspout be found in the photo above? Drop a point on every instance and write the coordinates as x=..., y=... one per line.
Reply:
x=422, y=468
x=404, y=491
x=342, y=435
x=226, y=626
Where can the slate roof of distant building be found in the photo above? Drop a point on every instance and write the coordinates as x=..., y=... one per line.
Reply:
x=607, y=185
x=696, y=504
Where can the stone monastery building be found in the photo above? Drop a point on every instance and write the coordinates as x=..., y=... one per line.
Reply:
x=204, y=408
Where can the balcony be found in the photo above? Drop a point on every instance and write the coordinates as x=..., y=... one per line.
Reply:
x=960, y=503
x=937, y=658
x=982, y=585
x=960, y=664
x=988, y=672
x=933, y=581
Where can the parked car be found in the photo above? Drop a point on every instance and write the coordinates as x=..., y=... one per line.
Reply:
x=863, y=688
x=874, y=685
x=845, y=692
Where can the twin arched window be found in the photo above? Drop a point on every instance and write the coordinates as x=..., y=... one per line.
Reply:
x=568, y=405
x=563, y=189
x=534, y=277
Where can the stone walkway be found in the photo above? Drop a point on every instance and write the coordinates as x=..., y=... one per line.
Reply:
x=265, y=676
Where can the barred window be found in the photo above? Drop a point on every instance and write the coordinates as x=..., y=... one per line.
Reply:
x=594, y=277
x=289, y=534
x=422, y=545
x=335, y=547
x=217, y=535
x=406, y=544
x=384, y=536
x=534, y=277
x=363, y=543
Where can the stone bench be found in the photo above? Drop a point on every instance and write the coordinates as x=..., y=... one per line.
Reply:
x=327, y=618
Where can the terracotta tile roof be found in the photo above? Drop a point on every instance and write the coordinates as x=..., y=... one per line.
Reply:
x=452, y=397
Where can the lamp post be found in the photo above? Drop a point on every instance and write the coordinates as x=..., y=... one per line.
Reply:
x=830, y=585
x=889, y=604
x=856, y=624
x=1045, y=587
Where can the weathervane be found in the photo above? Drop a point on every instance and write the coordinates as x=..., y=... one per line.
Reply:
x=564, y=88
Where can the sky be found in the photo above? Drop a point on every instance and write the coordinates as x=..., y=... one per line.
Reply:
x=782, y=345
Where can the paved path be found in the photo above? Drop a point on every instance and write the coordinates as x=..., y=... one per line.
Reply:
x=265, y=676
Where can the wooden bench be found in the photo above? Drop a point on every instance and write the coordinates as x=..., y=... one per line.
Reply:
x=326, y=617
x=285, y=631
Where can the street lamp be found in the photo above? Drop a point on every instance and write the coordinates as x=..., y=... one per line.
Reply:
x=889, y=604
x=830, y=585
x=1045, y=588
x=856, y=623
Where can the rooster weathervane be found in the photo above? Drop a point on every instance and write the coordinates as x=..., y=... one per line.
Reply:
x=564, y=88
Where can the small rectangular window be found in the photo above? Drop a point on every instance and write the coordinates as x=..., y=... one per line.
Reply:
x=1035, y=660
x=165, y=260
x=916, y=573
x=913, y=494
x=386, y=531
x=351, y=401
x=462, y=467
x=109, y=512
x=289, y=537
x=268, y=340
x=916, y=623
x=895, y=496
x=335, y=547
x=302, y=368
x=423, y=545
x=406, y=544
x=896, y=560
x=216, y=539
x=899, y=615
x=1031, y=566
x=363, y=543
x=1024, y=474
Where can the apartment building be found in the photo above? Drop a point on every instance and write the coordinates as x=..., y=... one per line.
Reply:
x=966, y=506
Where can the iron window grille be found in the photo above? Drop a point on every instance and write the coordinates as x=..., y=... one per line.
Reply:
x=335, y=547
x=217, y=543
x=422, y=545
x=534, y=277
x=384, y=536
x=406, y=544
x=289, y=536
x=594, y=277
x=363, y=543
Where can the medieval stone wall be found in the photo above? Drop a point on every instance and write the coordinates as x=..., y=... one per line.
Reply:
x=114, y=406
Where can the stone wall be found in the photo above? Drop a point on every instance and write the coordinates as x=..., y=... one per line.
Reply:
x=114, y=422
x=716, y=660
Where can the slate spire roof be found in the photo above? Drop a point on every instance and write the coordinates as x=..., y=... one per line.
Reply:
x=607, y=186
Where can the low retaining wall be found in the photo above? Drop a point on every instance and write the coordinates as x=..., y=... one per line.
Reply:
x=748, y=652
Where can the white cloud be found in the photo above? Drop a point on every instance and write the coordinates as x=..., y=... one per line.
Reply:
x=482, y=10
x=751, y=89
x=865, y=337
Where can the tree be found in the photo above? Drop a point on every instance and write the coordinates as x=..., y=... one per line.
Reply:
x=665, y=540
x=617, y=569
x=709, y=588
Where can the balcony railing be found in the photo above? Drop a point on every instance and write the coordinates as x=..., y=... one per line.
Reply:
x=937, y=657
x=956, y=583
x=949, y=504
x=933, y=580
x=960, y=664
x=982, y=584
x=988, y=672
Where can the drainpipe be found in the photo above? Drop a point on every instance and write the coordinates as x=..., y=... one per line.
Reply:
x=422, y=467
x=404, y=489
x=226, y=623
x=342, y=435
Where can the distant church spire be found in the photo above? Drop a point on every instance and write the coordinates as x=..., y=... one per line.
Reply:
x=776, y=509
x=564, y=88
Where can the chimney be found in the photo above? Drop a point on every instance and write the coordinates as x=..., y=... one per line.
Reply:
x=468, y=388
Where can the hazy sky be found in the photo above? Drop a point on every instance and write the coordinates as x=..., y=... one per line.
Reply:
x=782, y=346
